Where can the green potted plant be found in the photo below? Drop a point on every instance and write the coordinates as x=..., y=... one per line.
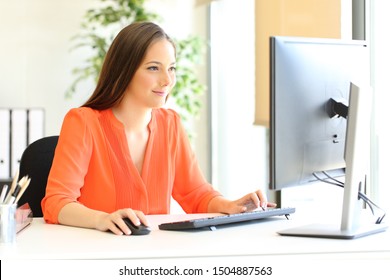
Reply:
x=98, y=29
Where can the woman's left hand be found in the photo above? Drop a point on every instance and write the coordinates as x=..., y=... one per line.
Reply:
x=253, y=201
x=249, y=202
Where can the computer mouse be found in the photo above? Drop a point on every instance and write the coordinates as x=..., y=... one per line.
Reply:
x=136, y=230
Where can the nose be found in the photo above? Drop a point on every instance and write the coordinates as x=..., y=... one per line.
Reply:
x=167, y=78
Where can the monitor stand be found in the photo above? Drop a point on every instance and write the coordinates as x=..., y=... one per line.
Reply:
x=333, y=231
x=357, y=157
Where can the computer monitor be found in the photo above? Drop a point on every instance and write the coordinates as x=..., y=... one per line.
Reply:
x=314, y=105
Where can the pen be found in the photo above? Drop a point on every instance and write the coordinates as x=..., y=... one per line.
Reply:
x=24, y=185
x=13, y=196
x=13, y=185
x=3, y=193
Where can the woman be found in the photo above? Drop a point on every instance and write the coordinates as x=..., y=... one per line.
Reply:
x=121, y=155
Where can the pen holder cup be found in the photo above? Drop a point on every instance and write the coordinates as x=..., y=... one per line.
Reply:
x=7, y=223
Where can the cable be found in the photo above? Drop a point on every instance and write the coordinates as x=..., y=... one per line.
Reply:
x=330, y=177
x=325, y=181
x=361, y=195
x=340, y=184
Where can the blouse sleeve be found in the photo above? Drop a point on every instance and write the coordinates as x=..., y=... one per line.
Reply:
x=191, y=190
x=69, y=166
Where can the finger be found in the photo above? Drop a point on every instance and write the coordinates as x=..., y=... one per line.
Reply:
x=142, y=218
x=119, y=228
x=263, y=199
x=120, y=224
x=271, y=204
x=132, y=215
x=137, y=217
x=254, y=201
x=239, y=207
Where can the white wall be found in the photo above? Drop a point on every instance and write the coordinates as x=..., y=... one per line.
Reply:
x=36, y=64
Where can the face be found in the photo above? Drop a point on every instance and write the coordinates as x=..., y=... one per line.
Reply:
x=155, y=77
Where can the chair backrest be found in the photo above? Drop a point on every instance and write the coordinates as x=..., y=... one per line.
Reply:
x=36, y=162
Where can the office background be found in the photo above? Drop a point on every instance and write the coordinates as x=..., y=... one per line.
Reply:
x=36, y=65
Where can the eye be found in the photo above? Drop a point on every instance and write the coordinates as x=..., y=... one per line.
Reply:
x=172, y=69
x=153, y=68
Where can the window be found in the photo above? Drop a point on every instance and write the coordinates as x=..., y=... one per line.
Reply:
x=378, y=34
x=239, y=150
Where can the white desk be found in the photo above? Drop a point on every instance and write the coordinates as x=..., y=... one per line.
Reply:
x=45, y=241
x=43, y=251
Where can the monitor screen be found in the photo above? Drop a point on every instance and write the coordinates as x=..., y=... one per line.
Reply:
x=305, y=74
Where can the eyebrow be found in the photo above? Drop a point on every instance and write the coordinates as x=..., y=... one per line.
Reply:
x=159, y=63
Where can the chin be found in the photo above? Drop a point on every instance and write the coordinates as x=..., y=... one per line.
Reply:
x=160, y=105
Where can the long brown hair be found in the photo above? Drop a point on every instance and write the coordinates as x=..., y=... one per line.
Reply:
x=121, y=62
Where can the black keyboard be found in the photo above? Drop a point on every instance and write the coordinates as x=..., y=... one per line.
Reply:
x=211, y=222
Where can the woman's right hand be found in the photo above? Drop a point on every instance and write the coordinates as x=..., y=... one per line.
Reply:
x=114, y=221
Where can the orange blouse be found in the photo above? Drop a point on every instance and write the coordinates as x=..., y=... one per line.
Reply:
x=93, y=166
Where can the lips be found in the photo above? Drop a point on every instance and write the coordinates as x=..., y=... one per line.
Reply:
x=160, y=93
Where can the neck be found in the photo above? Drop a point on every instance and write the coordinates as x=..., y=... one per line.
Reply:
x=134, y=118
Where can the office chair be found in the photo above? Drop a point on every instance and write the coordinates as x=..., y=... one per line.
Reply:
x=36, y=162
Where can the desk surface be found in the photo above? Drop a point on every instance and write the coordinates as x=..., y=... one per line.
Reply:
x=46, y=241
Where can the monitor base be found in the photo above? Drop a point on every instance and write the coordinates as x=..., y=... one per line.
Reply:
x=333, y=231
